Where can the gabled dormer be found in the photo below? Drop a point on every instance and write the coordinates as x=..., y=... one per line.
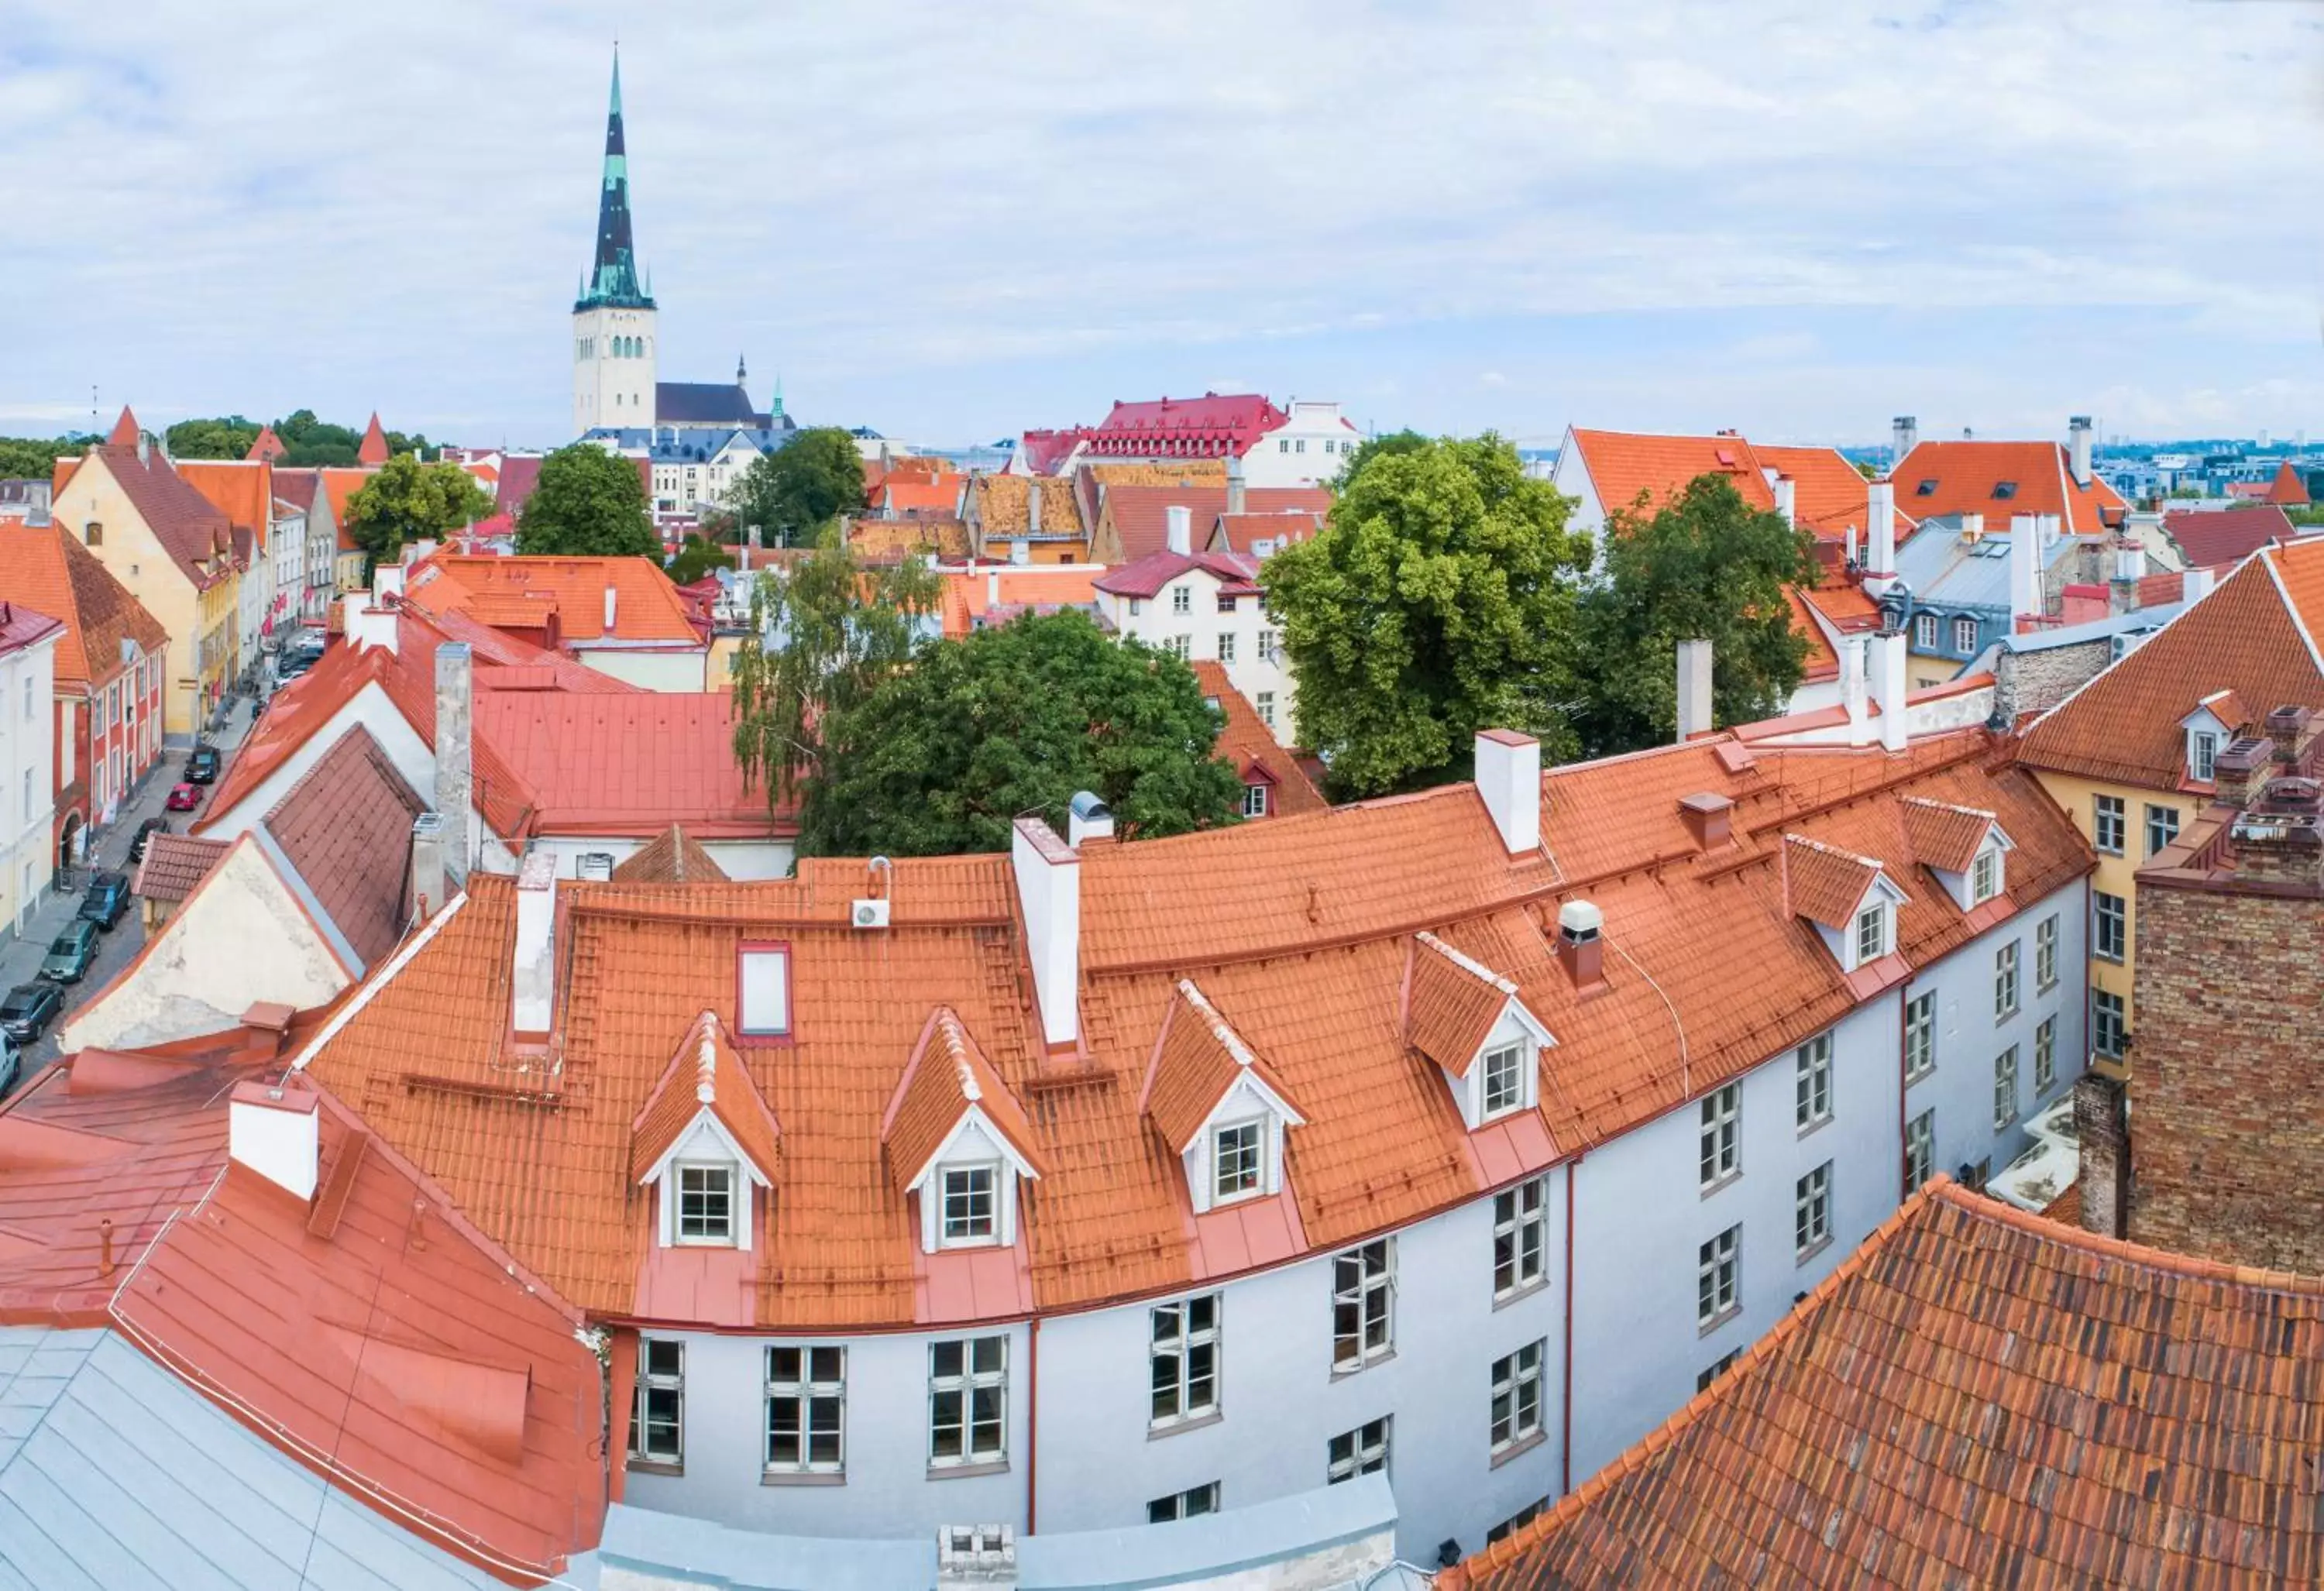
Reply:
x=1217, y=1105
x=1848, y=900
x=957, y=1142
x=704, y=1143
x=2209, y=730
x=1965, y=848
x=1467, y=1019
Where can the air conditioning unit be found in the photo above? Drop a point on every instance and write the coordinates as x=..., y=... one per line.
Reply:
x=869, y=914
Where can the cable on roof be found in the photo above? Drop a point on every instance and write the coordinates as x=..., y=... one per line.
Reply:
x=1685, y=1083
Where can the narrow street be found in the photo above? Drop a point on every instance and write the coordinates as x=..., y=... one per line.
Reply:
x=20, y=958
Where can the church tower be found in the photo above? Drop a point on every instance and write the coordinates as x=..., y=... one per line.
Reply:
x=613, y=318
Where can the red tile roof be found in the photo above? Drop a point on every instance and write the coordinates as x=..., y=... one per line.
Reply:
x=175, y=863
x=1964, y=478
x=945, y=1075
x=1942, y=835
x=1198, y=1062
x=1824, y=884
x=1625, y=466
x=47, y=569
x=671, y=857
x=267, y=447
x=705, y=1074
x=1453, y=1004
x=1978, y=1396
x=339, y=486
x=520, y=474
x=2210, y=536
x=2289, y=489
x=1213, y=424
x=520, y=593
x=346, y=826
x=1829, y=494
x=1236, y=573
x=1242, y=533
x=241, y=490
x=1245, y=740
x=1022, y=588
x=630, y=764
x=1141, y=515
x=190, y=529
x=374, y=450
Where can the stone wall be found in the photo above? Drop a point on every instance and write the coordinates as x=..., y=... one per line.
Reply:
x=2037, y=681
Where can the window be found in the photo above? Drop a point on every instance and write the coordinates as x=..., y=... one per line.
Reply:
x=2106, y=1035
x=2162, y=827
x=1715, y=1369
x=94, y=532
x=1300, y=446
x=1282, y=446
x=1182, y=600
x=29, y=708
x=1721, y=1143
x=1181, y=646
x=2002, y=490
x=2202, y=755
x=1871, y=933
x=1254, y=801
x=2045, y=1056
x=658, y=1414
x=1812, y=1211
x=1363, y=1295
x=1360, y=1451
x=1925, y=489
x=2005, y=1088
x=1184, y=1355
x=1227, y=604
x=1517, y=1398
x=2005, y=983
x=1920, y=1148
x=764, y=972
x=2107, y=823
x=1518, y=1520
x=1984, y=877
x=2110, y=926
x=1715, y=1278
x=1267, y=708
x=705, y=1204
x=1185, y=1505
x=807, y=1403
x=1964, y=635
x=968, y=1203
x=968, y=1401
x=1237, y=1153
x=1226, y=646
x=2045, y=953
x=1136, y=606
x=1811, y=1083
x=1921, y=1036
x=1924, y=632
x=1504, y=1080
x=1520, y=1238
x=1267, y=646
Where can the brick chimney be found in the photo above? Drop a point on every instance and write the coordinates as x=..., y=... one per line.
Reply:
x=1710, y=818
x=2102, y=1127
x=2280, y=838
x=2292, y=730
x=1581, y=947
x=2238, y=772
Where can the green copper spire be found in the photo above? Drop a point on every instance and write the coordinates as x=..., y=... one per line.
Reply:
x=614, y=279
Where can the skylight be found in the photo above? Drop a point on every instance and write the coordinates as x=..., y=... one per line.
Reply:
x=1925, y=489
x=2004, y=490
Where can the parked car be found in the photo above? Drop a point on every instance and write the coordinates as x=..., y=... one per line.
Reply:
x=145, y=832
x=11, y=1065
x=70, y=953
x=108, y=898
x=29, y=1008
x=202, y=767
x=184, y=797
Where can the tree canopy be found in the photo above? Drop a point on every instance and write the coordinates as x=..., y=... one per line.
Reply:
x=1438, y=601
x=587, y=503
x=307, y=441
x=788, y=495
x=25, y=458
x=1709, y=566
x=1386, y=442
x=697, y=556
x=942, y=756
x=229, y=437
x=408, y=500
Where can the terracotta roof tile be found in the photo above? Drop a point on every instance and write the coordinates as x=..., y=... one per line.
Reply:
x=1829, y=493
x=47, y=569
x=1945, y=836
x=1199, y=1059
x=1245, y=740
x=2289, y=488
x=1624, y=466
x=628, y=764
x=705, y=1074
x=1967, y=478
x=968, y=597
x=671, y=857
x=1977, y=1396
x=520, y=593
x=346, y=827
x=1453, y=1004
x=1242, y=533
x=190, y=529
x=2208, y=538
x=1824, y=883
x=174, y=864
x=945, y=1074
x=244, y=492
x=1141, y=515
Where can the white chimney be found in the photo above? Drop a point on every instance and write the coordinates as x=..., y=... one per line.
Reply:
x=1972, y=528
x=1234, y=483
x=1088, y=818
x=1888, y=664
x=2129, y=561
x=2024, y=567
x=1020, y=551
x=454, y=721
x=1904, y=435
x=534, y=985
x=1852, y=545
x=2078, y=434
x=1880, y=524
x=275, y=1130
x=612, y=603
x=1693, y=688
x=368, y=625
x=992, y=588
x=1787, y=499
x=2194, y=585
x=1049, y=894
x=387, y=581
x=1181, y=520
x=1852, y=689
x=1508, y=779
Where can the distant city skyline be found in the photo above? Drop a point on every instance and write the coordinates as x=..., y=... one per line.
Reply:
x=1794, y=219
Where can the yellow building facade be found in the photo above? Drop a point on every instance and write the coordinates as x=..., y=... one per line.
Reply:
x=2126, y=835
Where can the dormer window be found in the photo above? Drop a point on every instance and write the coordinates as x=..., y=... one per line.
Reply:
x=1504, y=1080
x=704, y=1143
x=969, y=1204
x=957, y=1143
x=1872, y=933
x=1216, y=1105
x=705, y=1204
x=1469, y=1020
x=2202, y=756
x=1985, y=876
x=1238, y=1160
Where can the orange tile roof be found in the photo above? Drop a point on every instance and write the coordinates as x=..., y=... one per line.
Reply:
x=241, y=490
x=345, y=828
x=520, y=591
x=1198, y=1062
x=1245, y=740
x=1453, y=1004
x=946, y=1074
x=2288, y=488
x=1627, y=467
x=193, y=532
x=339, y=486
x=1829, y=494
x=174, y=864
x=968, y=595
x=704, y=1073
x=1942, y=835
x=373, y=448
x=1962, y=478
x=626, y=765
x=1139, y=516
x=1978, y=1396
x=2243, y=636
x=938, y=495
x=1824, y=884
x=45, y=568
x=671, y=857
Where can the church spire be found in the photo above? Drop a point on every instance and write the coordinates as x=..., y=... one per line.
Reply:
x=614, y=277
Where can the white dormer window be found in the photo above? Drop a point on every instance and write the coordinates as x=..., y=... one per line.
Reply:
x=1505, y=1073
x=1985, y=876
x=764, y=974
x=706, y=1205
x=1238, y=1160
x=971, y=1204
x=2202, y=755
x=1872, y=932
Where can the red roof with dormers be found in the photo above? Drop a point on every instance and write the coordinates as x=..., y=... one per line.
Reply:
x=1215, y=425
x=2000, y=480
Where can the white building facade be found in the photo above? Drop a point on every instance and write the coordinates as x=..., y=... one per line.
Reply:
x=28, y=764
x=1206, y=608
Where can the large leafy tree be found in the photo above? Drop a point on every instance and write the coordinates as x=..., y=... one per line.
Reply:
x=697, y=556
x=790, y=494
x=1709, y=566
x=825, y=631
x=26, y=458
x=229, y=437
x=308, y=441
x=587, y=503
x=1437, y=601
x=942, y=756
x=408, y=500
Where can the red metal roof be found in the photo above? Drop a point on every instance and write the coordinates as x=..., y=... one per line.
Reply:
x=629, y=764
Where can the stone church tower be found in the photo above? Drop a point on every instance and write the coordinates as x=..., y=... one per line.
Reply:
x=613, y=318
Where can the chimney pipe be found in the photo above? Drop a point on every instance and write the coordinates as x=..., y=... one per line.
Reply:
x=533, y=1007
x=1888, y=686
x=2024, y=567
x=1904, y=435
x=2077, y=434
x=1787, y=499
x=1033, y=508
x=1852, y=689
x=454, y=721
x=1693, y=688
x=1855, y=545
x=2194, y=585
x=1509, y=780
x=1048, y=875
x=1581, y=947
x=1710, y=818
x=1181, y=520
x=1234, y=483
x=1880, y=524
x=992, y=588
x=1088, y=818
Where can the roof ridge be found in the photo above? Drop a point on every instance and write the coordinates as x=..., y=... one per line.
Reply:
x=1949, y=806
x=1869, y=861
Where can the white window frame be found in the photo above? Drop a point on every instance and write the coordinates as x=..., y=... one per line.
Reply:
x=1266, y=646
x=1811, y=1212
x=2109, y=824
x=961, y=1387
x=1226, y=644
x=1717, y=1368
x=1811, y=1083
x=1919, y=1035
x=2107, y=1017
x=1182, y=600
x=1514, y=1417
x=1502, y=1097
x=971, y=1234
x=1719, y=1143
x=2005, y=1090
x=1266, y=706
x=1363, y=1305
x=1920, y=1149
x=1964, y=634
x=2005, y=983
x=651, y=1383
x=1985, y=876
x=817, y=1403
x=2109, y=910
x=1924, y=632
x=2045, y=953
x=1254, y=801
x=1520, y=1239
x=1869, y=935
x=1718, y=1278
x=1191, y=1504
x=1365, y=1450
x=2202, y=756
x=2045, y=1056
x=1183, y=1343
x=1249, y=1164
x=763, y=991
x=727, y=1230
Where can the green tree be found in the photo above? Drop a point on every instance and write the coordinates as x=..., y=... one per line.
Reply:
x=697, y=556
x=1386, y=444
x=788, y=495
x=1706, y=566
x=588, y=503
x=308, y=442
x=942, y=756
x=227, y=437
x=1438, y=601
x=408, y=500
x=32, y=459
x=824, y=632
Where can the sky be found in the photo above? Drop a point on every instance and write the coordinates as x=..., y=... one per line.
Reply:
x=950, y=223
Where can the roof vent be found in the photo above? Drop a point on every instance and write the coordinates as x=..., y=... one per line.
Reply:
x=1091, y=818
x=1709, y=818
x=1581, y=947
x=976, y=1555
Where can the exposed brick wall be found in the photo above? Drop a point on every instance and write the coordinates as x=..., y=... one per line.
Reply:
x=2227, y=1090
x=2101, y=1132
x=2034, y=682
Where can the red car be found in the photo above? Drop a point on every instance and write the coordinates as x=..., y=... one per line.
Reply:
x=184, y=798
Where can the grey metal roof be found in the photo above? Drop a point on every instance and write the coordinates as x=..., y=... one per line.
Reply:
x=1943, y=571
x=2137, y=621
x=116, y=1476
x=706, y=403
